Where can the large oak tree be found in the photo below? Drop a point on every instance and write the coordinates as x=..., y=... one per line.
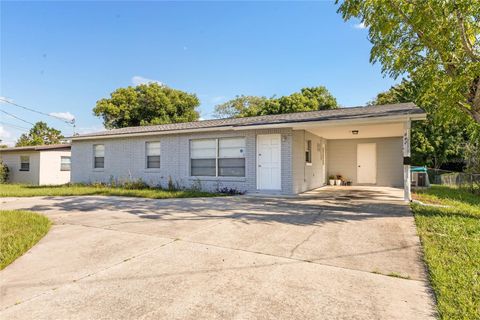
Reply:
x=146, y=104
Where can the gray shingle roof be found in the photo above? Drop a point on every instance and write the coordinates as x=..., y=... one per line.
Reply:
x=38, y=148
x=323, y=115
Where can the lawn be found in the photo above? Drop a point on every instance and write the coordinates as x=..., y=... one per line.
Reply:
x=19, y=231
x=19, y=190
x=451, y=241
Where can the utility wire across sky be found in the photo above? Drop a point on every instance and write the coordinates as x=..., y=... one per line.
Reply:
x=71, y=122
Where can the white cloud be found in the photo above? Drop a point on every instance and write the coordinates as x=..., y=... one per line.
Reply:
x=5, y=98
x=136, y=80
x=4, y=133
x=64, y=115
x=360, y=25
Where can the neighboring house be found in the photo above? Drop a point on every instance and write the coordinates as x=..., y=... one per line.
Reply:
x=284, y=154
x=38, y=165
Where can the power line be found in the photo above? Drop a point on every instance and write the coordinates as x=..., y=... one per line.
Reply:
x=71, y=122
x=13, y=126
x=14, y=116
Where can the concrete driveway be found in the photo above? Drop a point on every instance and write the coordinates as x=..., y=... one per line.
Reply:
x=331, y=254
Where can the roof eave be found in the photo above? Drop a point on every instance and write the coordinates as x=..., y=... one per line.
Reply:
x=396, y=118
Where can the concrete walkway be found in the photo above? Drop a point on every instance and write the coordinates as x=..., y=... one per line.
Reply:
x=237, y=257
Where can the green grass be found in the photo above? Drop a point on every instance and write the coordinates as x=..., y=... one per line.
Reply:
x=451, y=241
x=19, y=190
x=19, y=231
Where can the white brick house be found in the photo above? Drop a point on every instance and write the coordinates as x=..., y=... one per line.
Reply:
x=284, y=154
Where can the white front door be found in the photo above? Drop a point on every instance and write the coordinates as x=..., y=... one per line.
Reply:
x=269, y=162
x=367, y=163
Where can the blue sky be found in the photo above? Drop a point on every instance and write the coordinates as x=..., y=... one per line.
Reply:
x=63, y=56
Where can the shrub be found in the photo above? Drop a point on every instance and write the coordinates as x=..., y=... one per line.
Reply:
x=135, y=184
x=230, y=191
x=3, y=172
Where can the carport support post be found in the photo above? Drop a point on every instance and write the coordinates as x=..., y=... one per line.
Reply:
x=406, y=161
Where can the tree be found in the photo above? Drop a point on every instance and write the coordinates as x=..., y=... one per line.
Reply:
x=308, y=99
x=240, y=106
x=40, y=134
x=437, y=140
x=146, y=104
x=435, y=43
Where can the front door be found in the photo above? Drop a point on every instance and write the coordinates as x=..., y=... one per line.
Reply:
x=269, y=162
x=367, y=163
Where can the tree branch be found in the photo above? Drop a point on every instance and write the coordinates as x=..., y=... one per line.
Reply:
x=449, y=67
x=463, y=35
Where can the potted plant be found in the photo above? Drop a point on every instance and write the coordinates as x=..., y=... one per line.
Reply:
x=338, y=181
x=331, y=180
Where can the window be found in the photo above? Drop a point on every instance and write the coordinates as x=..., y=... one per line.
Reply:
x=65, y=164
x=203, y=154
x=218, y=157
x=153, y=154
x=98, y=156
x=308, y=152
x=231, y=157
x=24, y=163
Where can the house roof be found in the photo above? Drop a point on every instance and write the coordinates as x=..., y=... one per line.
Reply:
x=37, y=148
x=378, y=111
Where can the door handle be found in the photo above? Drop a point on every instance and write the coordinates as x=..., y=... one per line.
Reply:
x=259, y=165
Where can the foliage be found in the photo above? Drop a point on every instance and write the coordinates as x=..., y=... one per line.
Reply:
x=4, y=172
x=435, y=43
x=40, y=134
x=146, y=104
x=240, y=106
x=449, y=237
x=308, y=99
x=19, y=190
x=230, y=191
x=19, y=231
x=472, y=153
x=437, y=140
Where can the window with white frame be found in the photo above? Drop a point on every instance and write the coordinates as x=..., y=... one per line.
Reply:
x=98, y=156
x=65, y=164
x=153, y=154
x=308, y=152
x=24, y=163
x=223, y=157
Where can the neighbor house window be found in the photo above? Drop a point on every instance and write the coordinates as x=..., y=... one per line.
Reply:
x=308, y=152
x=153, y=154
x=218, y=157
x=98, y=156
x=24, y=163
x=65, y=164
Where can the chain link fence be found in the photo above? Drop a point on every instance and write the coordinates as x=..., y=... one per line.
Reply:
x=470, y=181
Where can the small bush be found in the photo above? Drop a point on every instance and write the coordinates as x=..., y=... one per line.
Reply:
x=230, y=191
x=3, y=172
x=134, y=184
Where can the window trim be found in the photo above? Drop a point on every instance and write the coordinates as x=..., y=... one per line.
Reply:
x=24, y=170
x=217, y=158
x=159, y=156
x=94, y=157
x=69, y=163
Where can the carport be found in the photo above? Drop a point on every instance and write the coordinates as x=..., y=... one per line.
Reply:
x=369, y=152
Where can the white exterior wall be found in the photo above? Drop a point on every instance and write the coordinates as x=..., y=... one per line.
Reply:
x=50, y=172
x=342, y=159
x=125, y=160
x=12, y=160
x=44, y=167
x=307, y=176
